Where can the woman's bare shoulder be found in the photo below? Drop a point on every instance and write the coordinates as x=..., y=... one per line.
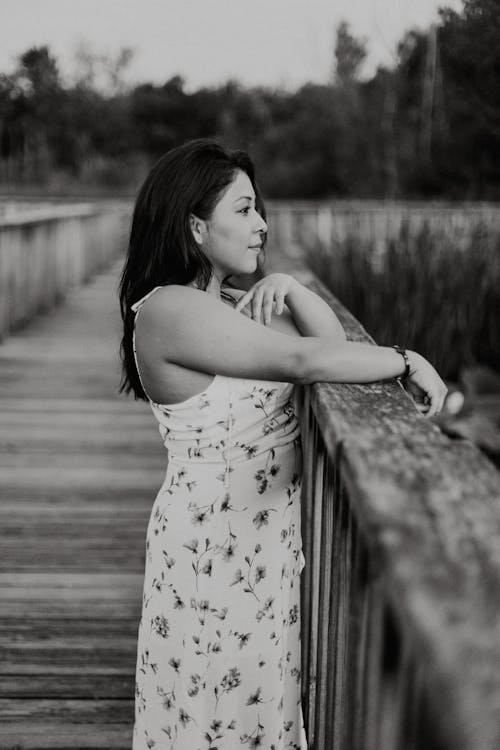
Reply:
x=164, y=306
x=175, y=297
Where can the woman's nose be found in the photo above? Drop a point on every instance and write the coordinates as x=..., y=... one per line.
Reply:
x=260, y=224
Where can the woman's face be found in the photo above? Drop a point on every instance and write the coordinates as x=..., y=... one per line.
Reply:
x=234, y=233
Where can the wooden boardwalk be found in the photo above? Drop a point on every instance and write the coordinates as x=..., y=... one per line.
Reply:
x=79, y=469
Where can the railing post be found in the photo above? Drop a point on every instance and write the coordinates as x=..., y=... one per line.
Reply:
x=312, y=524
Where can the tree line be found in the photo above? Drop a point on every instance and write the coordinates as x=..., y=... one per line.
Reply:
x=425, y=126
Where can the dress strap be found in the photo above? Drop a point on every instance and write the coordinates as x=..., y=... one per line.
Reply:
x=137, y=305
x=136, y=308
x=226, y=295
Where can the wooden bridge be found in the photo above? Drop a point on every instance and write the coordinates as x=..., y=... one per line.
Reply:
x=401, y=590
x=79, y=467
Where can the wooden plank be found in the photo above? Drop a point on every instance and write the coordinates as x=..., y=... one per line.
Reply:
x=71, y=530
x=52, y=408
x=98, y=658
x=62, y=584
x=59, y=735
x=64, y=593
x=79, y=478
x=14, y=629
x=68, y=459
x=104, y=554
x=24, y=422
x=56, y=723
x=57, y=507
x=67, y=685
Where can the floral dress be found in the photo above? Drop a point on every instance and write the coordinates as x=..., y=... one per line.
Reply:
x=218, y=659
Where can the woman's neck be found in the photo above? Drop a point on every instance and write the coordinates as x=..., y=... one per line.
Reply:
x=214, y=287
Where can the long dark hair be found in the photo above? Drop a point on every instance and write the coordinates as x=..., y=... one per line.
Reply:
x=189, y=179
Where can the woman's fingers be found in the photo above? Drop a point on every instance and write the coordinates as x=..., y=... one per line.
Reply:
x=430, y=402
x=435, y=401
x=257, y=303
x=267, y=306
x=244, y=300
x=426, y=385
x=262, y=300
x=280, y=303
x=422, y=408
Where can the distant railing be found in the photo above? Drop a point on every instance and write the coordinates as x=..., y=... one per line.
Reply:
x=46, y=250
x=299, y=224
x=401, y=588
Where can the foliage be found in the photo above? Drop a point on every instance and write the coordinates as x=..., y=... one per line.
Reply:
x=422, y=290
x=350, y=53
x=428, y=126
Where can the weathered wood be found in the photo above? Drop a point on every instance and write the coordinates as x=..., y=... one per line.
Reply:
x=65, y=586
x=100, y=656
x=43, y=724
x=79, y=711
x=67, y=685
x=58, y=735
x=106, y=553
x=427, y=511
x=45, y=253
x=79, y=469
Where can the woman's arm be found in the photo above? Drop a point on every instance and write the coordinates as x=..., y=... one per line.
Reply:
x=191, y=328
x=312, y=315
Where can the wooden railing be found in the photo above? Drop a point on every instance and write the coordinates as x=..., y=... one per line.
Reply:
x=46, y=250
x=298, y=225
x=401, y=588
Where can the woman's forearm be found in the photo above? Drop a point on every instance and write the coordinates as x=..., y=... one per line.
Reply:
x=340, y=361
x=312, y=315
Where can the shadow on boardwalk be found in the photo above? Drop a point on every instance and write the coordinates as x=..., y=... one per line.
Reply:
x=79, y=469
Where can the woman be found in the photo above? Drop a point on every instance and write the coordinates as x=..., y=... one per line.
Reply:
x=218, y=663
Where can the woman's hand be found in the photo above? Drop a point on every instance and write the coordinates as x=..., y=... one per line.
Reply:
x=266, y=293
x=425, y=385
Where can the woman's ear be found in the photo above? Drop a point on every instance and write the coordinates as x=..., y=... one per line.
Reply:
x=198, y=228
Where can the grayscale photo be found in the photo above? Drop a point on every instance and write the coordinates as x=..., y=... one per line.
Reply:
x=250, y=375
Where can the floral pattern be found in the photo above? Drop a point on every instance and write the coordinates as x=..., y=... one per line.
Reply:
x=218, y=660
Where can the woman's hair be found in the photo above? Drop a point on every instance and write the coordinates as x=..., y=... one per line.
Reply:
x=189, y=179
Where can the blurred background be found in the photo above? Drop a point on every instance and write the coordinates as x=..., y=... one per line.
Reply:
x=374, y=127
x=381, y=100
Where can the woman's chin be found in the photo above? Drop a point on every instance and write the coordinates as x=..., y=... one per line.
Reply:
x=249, y=266
x=245, y=279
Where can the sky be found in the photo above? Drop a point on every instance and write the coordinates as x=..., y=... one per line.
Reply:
x=278, y=43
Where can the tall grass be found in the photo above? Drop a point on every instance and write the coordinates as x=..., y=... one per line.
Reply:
x=422, y=289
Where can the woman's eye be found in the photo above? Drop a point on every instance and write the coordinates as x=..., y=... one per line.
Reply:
x=245, y=210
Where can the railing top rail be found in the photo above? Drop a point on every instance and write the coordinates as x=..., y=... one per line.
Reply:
x=48, y=213
x=429, y=510
x=363, y=206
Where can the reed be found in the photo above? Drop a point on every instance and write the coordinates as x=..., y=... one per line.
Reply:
x=426, y=289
